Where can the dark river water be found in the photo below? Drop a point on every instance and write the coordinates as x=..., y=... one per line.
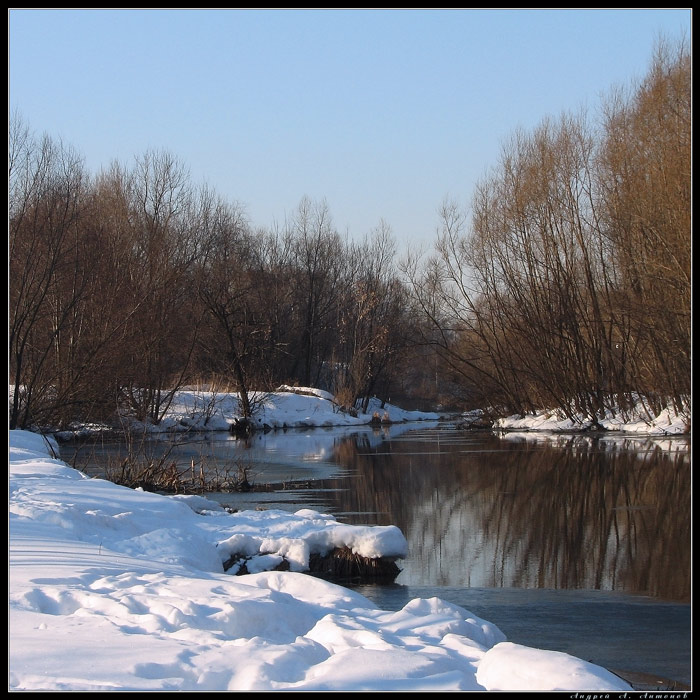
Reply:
x=576, y=543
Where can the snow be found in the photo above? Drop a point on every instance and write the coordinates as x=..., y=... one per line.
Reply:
x=201, y=409
x=288, y=407
x=118, y=589
x=638, y=420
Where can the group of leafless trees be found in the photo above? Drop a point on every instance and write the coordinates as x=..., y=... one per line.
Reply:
x=125, y=285
x=568, y=287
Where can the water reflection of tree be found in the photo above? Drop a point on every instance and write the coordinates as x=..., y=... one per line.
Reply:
x=585, y=514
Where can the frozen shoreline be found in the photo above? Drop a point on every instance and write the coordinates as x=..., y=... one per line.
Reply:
x=292, y=408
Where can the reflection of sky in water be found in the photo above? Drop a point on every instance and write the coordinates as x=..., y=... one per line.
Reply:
x=317, y=443
x=277, y=455
x=641, y=444
x=525, y=510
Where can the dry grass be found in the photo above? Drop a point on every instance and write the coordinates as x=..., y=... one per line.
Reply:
x=163, y=475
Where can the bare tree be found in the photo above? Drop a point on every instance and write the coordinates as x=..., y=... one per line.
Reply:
x=318, y=259
x=645, y=175
x=372, y=320
x=226, y=285
x=161, y=249
x=47, y=270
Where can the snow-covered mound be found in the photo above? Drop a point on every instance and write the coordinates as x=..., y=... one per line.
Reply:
x=288, y=407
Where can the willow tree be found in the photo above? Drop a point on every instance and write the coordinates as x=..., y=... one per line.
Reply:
x=645, y=176
x=569, y=286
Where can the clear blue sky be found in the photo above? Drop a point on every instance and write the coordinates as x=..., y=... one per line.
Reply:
x=384, y=113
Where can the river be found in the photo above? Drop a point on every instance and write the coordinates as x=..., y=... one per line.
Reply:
x=579, y=543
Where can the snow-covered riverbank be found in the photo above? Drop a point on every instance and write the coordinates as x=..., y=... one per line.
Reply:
x=116, y=589
x=196, y=409
x=638, y=421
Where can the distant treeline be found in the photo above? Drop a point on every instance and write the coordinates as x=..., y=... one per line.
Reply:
x=568, y=287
